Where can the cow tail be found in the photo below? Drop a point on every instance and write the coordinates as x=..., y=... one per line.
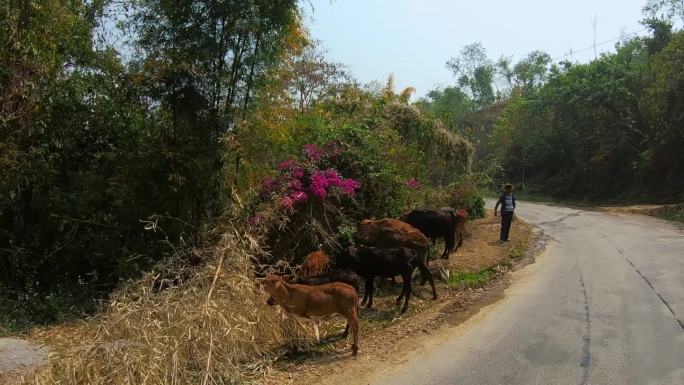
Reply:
x=454, y=219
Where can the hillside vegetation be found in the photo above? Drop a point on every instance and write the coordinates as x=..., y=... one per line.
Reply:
x=608, y=130
x=129, y=130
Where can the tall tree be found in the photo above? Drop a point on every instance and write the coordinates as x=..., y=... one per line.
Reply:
x=203, y=60
x=475, y=73
x=665, y=9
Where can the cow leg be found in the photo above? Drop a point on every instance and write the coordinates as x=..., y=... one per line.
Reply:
x=401, y=295
x=317, y=333
x=352, y=317
x=403, y=291
x=406, y=292
x=369, y=291
x=449, y=243
x=345, y=333
x=366, y=292
x=425, y=272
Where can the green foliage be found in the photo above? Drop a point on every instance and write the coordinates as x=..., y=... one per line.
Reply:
x=603, y=129
x=464, y=195
x=387, y=143
x=107, y=163
x=475, y=73
x=464, y=278
x=111, y=161
x=450, y=105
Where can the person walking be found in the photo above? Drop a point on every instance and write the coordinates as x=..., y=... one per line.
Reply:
x=507, y=203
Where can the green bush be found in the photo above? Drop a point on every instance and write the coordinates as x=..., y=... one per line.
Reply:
x=465, y=195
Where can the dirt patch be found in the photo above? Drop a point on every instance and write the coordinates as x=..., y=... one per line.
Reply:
x=17, y=355
x=387, y=337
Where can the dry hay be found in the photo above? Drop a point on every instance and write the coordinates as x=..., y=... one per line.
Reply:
x=213, y=328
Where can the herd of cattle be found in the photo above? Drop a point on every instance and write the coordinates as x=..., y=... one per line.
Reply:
x=386, y=248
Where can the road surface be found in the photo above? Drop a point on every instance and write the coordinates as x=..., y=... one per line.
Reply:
x=604, y=304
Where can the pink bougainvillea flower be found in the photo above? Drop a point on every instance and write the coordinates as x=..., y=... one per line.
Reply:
x=297, y=173
x=287, y=202
x=412, y=183
x=311, y=151
x=350, y=186
x=299, y=196
x=333, y=178
x=296, y=184
x=319, y=183
x=286, y=164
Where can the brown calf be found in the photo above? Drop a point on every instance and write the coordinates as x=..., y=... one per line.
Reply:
x=306, y=301
x=315, y=264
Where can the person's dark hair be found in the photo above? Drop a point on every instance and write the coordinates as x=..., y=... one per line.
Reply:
x=508, y=187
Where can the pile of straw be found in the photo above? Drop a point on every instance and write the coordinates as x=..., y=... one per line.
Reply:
x=213, y=328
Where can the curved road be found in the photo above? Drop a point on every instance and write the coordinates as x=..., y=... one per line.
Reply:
x=604, y=304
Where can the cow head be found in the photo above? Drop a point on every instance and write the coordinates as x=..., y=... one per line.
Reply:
x=273, y=285
x=366, y=230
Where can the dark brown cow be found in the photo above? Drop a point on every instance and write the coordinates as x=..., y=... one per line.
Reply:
x=391, y=233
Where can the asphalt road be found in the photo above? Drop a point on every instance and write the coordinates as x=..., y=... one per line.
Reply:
x=604, y=304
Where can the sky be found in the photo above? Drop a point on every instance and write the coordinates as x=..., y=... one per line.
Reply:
x=413, y=39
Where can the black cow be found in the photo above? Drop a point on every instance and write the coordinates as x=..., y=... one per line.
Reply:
x=370, y=262
x=435, y=223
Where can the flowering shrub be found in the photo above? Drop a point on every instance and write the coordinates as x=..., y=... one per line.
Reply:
x=312, y=178
x=306, y=200
x=412, y=183
x=298, y=181
x=464, y=194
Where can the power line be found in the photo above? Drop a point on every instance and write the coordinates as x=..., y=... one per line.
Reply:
x=599, y=44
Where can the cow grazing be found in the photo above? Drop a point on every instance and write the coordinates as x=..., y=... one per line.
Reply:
x=445, y=222
x=370, y=262
x=314, y=265
x=434, y=224
x=392, y=233
x=307, y=301
x=462, y=218
x=341, y=275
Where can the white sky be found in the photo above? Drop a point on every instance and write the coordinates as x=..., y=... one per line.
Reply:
x=413, y=39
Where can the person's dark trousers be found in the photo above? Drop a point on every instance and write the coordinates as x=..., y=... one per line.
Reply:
x=506, y=219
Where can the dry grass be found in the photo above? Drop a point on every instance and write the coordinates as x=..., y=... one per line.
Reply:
x=214, y=328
